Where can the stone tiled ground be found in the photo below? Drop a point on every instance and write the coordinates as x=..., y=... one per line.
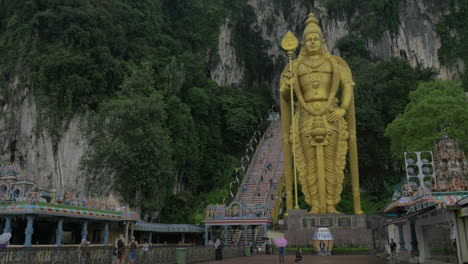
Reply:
x=262, y=259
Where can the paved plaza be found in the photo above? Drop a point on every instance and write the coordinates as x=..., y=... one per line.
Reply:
x=262, y=259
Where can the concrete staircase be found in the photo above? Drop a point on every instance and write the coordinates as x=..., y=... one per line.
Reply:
x=263, y=180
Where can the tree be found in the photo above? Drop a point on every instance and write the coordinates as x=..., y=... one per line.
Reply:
x=381, y=93
x=129, y=140
x=433, y=106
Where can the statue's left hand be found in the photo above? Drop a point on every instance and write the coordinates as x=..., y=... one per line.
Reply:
x=335, y=115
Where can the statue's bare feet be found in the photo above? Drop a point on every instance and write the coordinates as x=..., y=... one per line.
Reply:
x=332, y=210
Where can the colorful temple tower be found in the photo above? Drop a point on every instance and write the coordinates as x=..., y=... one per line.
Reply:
x=451, y=165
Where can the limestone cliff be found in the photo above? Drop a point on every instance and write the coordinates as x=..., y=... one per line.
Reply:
x=415, y=39
x=55, y=163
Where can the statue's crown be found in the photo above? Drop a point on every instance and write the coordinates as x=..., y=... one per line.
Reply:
x=311, y=19
x=312, y=26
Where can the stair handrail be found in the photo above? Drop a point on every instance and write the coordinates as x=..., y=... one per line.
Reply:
x=266, y=200
x=249, y=168
x=264, y=161
x=278, y=201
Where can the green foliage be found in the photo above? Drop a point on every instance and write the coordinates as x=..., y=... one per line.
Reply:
x=251, y=48
x=371, y=203
x=381, y=93
x=72, y=52
x=129, y=139
x=375, y=16
x=352, y=46
x=436, y=105
x=153, y=126
x=453, y=31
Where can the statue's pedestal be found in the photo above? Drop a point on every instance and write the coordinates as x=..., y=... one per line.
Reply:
x=348, y=230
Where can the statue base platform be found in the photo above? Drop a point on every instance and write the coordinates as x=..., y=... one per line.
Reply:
x=348, y=230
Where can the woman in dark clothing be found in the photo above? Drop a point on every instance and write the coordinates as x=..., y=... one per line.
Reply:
x=298, y=256
x=219, y=249
x=120, y=250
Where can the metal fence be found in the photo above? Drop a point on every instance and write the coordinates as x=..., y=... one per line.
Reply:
x=103, y=255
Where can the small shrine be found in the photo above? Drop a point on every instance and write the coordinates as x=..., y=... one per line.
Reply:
x=451, y=165
x=37, y=216
x=425, y=217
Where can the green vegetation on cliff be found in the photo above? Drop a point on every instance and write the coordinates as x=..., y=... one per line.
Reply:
x=374, y=16
x=381, y=94
x=433, y=106
x=453, y=31
x=139, y=71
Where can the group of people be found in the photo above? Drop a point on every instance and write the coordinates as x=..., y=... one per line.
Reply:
x=119, y=253
x=297, y=259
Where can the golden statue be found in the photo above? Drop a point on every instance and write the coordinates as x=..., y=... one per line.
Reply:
x=318, y=127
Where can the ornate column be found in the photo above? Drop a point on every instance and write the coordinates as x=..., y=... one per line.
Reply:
x=414, y=239
x=29, y=231
x=211, y=233
x=401, y=237
x=265, y=230
x=183, y=238
x=206, y=235
x=246, y=229
x=59, y=232
x=132, y=225
x=7, y=228
x=84, y=229
x=226, y=230
x=126, y=232
x=106, y=233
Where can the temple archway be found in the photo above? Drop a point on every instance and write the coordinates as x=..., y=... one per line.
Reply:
x=15, y=194
x=3, y=191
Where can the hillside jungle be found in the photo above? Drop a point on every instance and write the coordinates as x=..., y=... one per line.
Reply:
x=139, y=72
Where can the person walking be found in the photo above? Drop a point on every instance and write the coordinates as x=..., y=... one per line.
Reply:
x=218, y=249
x=281, y=254
x=120, y=250
x=298, y=256
x=144, y=252
x=133, y=248
x=84, y=253
x=115, y=251
x=393, y=251
x=322, y=248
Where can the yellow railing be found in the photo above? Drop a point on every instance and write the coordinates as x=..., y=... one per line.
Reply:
x=278, y=201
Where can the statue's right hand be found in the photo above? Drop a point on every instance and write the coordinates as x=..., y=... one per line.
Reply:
x=288, y=77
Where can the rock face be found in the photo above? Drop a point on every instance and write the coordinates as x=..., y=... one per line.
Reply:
x=54, y=163
x=228, y=70
x=415, y=40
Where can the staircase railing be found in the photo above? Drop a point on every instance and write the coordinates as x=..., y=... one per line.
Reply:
x=247, y=174
x=249, y=168
x=267, y=153
x=278, y=200
x=266, y=200
x=256, y=234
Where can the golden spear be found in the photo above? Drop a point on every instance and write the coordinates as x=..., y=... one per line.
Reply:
x=290, y=44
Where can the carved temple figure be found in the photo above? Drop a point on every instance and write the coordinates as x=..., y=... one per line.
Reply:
x=322, y=127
